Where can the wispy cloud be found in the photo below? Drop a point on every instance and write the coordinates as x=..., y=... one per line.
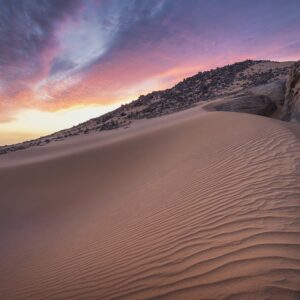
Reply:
x=57, y=54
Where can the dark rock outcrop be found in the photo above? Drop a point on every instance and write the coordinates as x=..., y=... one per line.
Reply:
x=291, y=108
x=274, y=90
x=258, y=105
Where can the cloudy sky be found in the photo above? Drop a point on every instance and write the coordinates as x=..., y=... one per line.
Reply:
x=63, y=62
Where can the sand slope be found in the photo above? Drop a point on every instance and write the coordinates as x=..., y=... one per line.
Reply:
x=192, y=206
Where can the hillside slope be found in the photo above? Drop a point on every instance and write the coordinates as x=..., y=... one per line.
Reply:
x=204, y=86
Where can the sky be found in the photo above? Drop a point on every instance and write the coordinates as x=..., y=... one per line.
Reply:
x=65, y=61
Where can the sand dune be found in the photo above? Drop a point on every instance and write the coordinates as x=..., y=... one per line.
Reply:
x=187, y=206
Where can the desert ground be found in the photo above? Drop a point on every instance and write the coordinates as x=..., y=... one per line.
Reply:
x=192, y=205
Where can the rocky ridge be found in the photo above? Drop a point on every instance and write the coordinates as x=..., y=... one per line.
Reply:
x=235, y=79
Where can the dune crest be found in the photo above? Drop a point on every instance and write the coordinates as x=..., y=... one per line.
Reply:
x=205, y=206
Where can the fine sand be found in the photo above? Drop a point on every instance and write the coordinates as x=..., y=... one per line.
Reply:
x=194, y=205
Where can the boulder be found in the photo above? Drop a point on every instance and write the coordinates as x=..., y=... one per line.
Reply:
x=258, y=105
x=274, y=90
x=291, y=107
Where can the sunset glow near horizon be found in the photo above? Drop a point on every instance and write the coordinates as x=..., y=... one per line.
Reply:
x=64, y=62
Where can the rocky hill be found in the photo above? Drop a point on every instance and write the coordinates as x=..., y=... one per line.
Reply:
x=230, y=80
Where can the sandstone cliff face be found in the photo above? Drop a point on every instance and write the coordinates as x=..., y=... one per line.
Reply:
x=291, y=108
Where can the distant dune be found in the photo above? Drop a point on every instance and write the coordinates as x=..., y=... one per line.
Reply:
x=193, y=205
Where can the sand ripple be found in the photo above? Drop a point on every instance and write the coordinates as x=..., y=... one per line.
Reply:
x=205, y=207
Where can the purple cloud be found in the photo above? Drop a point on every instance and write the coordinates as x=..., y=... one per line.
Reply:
x=51, y=49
